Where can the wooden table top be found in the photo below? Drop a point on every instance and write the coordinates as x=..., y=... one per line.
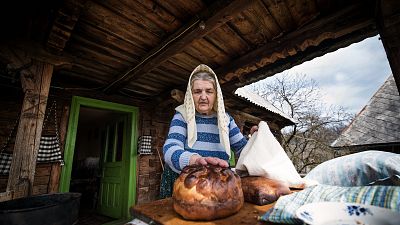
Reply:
x=162, y=212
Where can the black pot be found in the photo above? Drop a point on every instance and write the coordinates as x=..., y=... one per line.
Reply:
x=51, y=209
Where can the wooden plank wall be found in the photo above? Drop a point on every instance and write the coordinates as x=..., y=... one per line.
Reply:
x=10, y=101
x=154, y=120
x=154, y=123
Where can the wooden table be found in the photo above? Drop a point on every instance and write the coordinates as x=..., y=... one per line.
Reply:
x=162, y=212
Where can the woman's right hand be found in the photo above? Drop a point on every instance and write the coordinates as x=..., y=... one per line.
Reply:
x=199, y=160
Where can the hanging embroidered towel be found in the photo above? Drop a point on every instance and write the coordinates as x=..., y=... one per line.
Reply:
x=5, y=163
x=145, y=145
x=49, y=149
x=264, y=156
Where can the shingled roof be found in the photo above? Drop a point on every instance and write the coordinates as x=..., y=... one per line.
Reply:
x=378, y=123
x=261, y=102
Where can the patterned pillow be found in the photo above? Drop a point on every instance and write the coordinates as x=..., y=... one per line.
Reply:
x=284, y=211
x=357, y=169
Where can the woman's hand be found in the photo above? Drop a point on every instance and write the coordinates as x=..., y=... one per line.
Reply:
x=253, y=129
x=198, y=160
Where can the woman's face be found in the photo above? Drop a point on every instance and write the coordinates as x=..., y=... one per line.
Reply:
x=204, y=95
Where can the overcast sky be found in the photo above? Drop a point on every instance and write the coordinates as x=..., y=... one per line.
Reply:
x=349, y=76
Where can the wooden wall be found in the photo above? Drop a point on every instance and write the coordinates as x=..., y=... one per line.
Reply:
x=151, y=122
x=154, y=120
x=46, y=175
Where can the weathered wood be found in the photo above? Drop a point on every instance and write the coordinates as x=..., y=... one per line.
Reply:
x=162, y=212
x=302, y=11
x=216, y=15
x=226, y=39
x=108, y=38
x=54, y=178
x=247, y=24
x=63, y=25
x=39, y=190
x=36, y=83
x=249, y=67
x=56, y=167
x=186, y=61
x=93, y=54
x=123, y=27
x=178, y=95
x=389, y=30
x=5, y=196
x=3, y=182
x=280, y=11
x=41, y=180
x=158, y=15
x=43, y=169
x=136, y=13
x=63, y=126
x=19, y=54
x=104, y=49
x=210, y=51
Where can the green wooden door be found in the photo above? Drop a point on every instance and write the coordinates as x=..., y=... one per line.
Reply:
x=124, y=169
x=110, y=199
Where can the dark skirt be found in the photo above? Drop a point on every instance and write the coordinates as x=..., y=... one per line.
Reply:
x=167, y=182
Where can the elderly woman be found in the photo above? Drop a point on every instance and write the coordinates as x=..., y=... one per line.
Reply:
x=201, y=132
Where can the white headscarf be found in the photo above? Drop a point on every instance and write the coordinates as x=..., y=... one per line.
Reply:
x=188, y=112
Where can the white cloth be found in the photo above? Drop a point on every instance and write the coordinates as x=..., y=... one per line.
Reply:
x=264, y=156
x=188, y=112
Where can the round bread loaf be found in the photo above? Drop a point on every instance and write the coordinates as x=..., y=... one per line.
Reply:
x=207, y=193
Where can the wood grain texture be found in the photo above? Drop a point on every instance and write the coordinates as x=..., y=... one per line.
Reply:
x=162, y=212
x=36, y=84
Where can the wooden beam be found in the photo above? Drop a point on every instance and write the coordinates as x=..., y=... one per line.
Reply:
x=388, y=21
x=36, y=84
x=178, y=95
x=301, y=57
x=351, y=19
x=213, y=17
x=20, y=53
x=56, y=167
x=65, y=20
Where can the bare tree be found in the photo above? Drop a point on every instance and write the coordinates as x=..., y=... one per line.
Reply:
x=307, y=143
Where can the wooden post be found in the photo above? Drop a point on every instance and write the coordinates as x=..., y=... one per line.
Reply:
x=389, y=29
x=36, y=84
x=56, y=167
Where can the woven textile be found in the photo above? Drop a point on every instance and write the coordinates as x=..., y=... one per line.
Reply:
x=357, y=169
x=5, y=163
x=49, y=149
x=285, y=208
x=145, y=145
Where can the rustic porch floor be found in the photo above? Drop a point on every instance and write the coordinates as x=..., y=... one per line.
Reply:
x=91, y=218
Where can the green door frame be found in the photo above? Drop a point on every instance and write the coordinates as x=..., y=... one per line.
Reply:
x=129, y=156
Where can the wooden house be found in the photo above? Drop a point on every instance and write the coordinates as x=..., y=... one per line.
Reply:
x=110, y=69
x=377, y=125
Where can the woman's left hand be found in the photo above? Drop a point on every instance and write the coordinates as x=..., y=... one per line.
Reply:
x=196, y=159
x=253, y=129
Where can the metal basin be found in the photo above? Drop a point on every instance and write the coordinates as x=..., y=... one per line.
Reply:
x=57, y=208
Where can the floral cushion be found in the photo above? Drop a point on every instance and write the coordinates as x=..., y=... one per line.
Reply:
x=284, y=211
x=357, y=169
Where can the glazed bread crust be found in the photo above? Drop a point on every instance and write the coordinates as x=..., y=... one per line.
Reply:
x=207, y=193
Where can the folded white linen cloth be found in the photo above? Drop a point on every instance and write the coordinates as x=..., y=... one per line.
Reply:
x=264, y=156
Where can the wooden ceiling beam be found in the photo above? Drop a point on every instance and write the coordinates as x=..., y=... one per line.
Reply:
x=65, y=20
x=388, y=21
x=213, y=17
x=301, y=57
x=252, y=66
